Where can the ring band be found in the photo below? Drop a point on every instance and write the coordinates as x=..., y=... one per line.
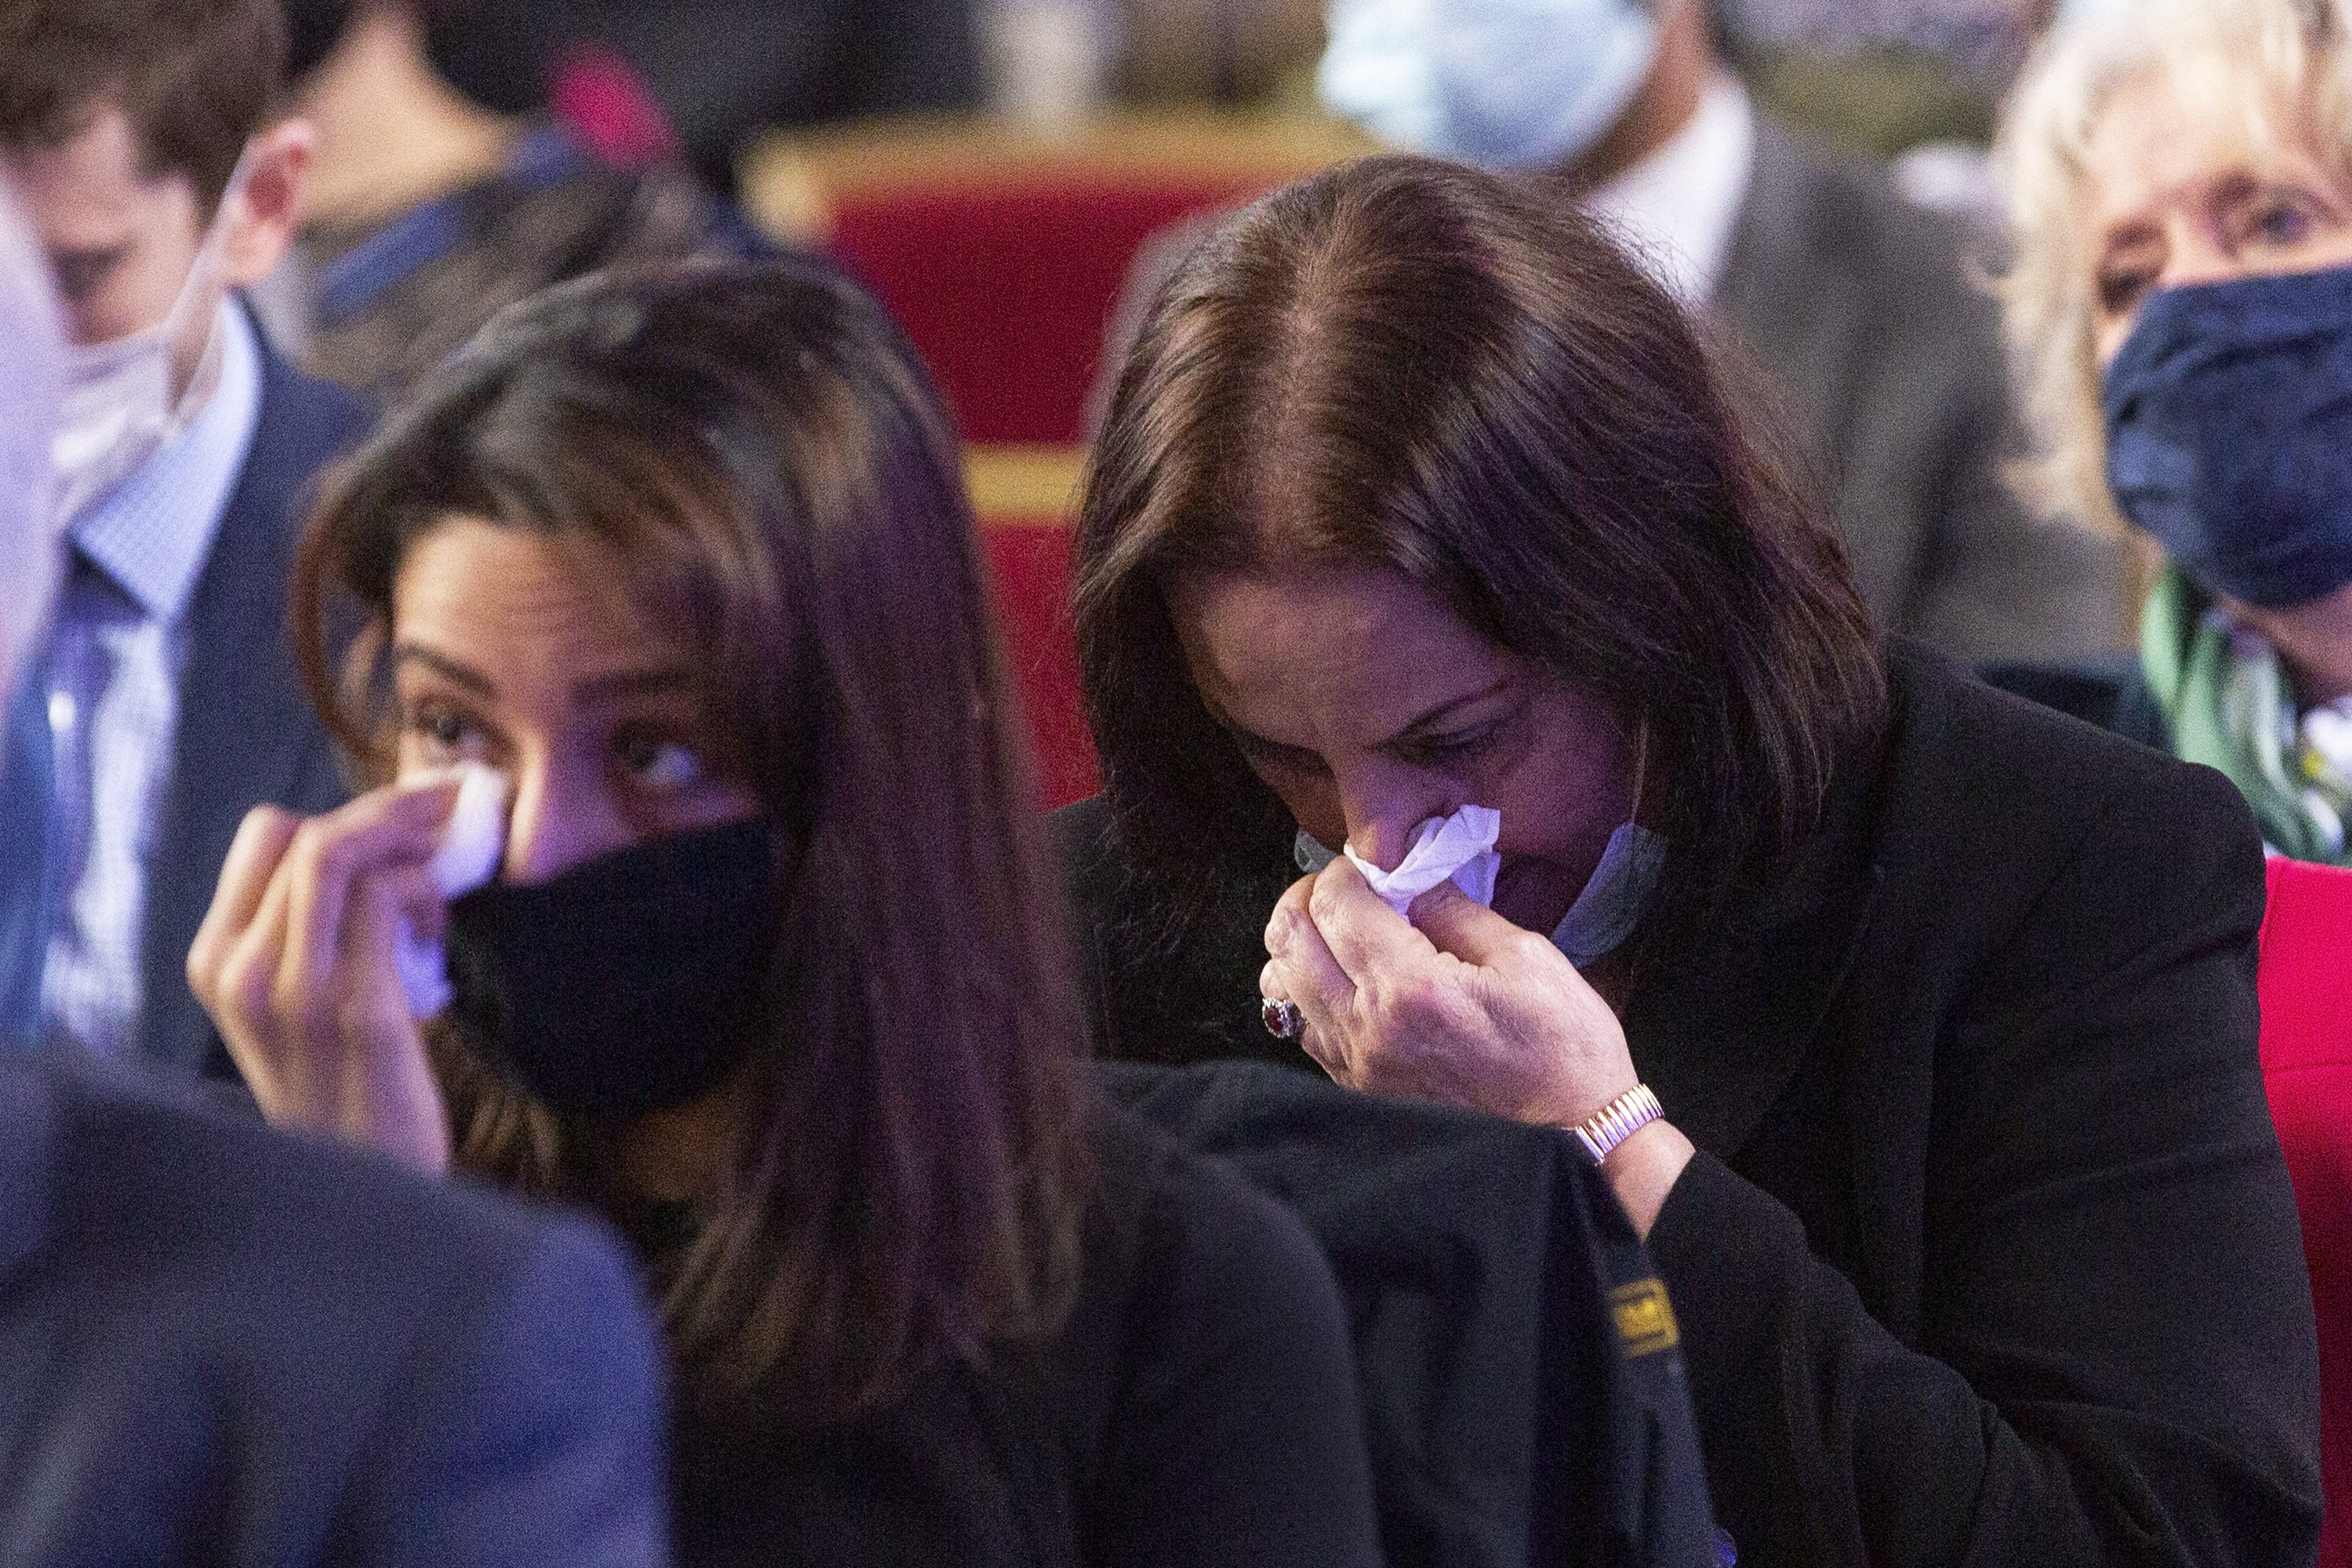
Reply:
x=1282, y=1019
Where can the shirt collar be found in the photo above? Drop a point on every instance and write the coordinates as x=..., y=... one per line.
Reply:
x=1679, y=205
x=152, y=533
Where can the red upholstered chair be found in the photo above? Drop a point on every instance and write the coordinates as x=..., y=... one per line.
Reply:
x=1032, y=564
x=1003, y=254
x=2307, y=994
x=1003, y=251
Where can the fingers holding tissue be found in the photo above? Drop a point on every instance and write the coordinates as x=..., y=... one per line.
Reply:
x=1411, y=986
x=1459, y=850
x=323, y=950
x=472, y=845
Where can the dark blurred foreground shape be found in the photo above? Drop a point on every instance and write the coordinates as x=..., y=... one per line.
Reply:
x=220, y=1345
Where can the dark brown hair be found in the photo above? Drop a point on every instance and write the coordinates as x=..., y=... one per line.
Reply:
x=758, y=451
x=196, y=78
x=1414, y=365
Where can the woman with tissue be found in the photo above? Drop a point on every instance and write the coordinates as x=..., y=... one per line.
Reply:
x=2180, y=308
x=701, y=886
x=1486, y=720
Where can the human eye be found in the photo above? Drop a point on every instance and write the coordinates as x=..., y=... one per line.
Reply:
x=657, y=760
x=1273, y=756
x=1453, y=746
x=2121, y=289
x=2280, y=219
x=443, y=733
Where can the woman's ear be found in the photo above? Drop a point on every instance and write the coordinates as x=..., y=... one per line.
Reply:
x=268, y=208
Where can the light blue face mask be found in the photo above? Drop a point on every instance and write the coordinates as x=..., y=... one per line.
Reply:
x=1504, y=84
x=1603, y=915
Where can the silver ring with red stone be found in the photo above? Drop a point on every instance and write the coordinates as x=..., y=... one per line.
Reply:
x=1283, y=1019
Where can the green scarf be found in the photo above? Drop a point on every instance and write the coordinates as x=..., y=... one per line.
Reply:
x=2231, y=709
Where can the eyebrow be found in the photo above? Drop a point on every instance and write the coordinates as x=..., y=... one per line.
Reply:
x=1429, y=719
x=596, y=689
x=1421, y=725
x=448, y=669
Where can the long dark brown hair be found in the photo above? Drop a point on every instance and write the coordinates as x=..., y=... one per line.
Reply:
x=1414, y=365
x=759, y=451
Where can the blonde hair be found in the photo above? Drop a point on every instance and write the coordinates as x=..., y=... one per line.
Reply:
x=2286, y=54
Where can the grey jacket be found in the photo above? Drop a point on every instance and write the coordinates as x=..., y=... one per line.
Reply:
x=1886, y=359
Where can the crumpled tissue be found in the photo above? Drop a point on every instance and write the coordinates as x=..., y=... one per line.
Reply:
x=472, y=845
x=1459, y=850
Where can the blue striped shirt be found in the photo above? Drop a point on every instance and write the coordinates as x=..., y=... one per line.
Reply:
x=116, y=655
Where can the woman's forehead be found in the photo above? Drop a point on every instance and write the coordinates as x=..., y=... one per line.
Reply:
x=521, y=599
x=2170, y=129
x=1366, y=637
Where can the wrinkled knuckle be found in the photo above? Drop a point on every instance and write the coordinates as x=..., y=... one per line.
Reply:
x=1280, y=930
x=1529, y=950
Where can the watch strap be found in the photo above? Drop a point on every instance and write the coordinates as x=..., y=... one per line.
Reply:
x=1618, y=1121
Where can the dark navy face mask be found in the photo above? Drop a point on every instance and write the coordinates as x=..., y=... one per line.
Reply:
x=2230, y=433
x=630, y=983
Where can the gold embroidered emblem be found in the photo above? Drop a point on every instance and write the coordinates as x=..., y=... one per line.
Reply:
x=1646, y=1321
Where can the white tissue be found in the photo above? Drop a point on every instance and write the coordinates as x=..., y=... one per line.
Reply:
x=471, y=846
x=1459, y=850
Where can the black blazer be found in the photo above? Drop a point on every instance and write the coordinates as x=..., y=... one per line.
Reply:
x=1989, y=1255
x=225, y=1345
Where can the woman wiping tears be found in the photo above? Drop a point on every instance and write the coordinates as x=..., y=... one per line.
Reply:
x=1913, y=1025
x=770, y=971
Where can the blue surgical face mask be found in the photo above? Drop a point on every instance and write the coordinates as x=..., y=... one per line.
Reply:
x=2230, y=433
x=1504, y=84
x=1612, y=903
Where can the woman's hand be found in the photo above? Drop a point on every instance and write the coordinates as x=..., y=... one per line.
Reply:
x=1461, y=1007
x=295, y=963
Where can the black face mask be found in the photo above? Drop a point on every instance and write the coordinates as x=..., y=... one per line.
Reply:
x=633, y=983
x=2230, y=433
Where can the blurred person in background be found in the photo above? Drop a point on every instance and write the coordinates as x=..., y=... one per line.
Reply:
x=222, y=1346
x=1853, y=300
x=427, y=211
x=2180, y=314
x=773, y=969
x=722, y=70
x=1913, y=1027
x=144, y=142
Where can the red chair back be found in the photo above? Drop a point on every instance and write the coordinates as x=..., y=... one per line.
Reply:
x=1032, y=566
x=2306, y=994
